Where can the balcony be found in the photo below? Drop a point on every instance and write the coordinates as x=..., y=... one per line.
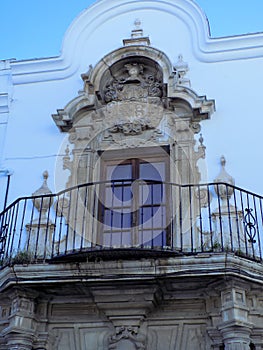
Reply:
x=132, y=219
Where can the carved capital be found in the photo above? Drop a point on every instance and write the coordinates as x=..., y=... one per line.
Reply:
x=16, y=341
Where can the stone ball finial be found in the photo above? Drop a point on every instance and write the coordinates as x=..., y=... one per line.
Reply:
x=223, y=190
x=137, y=23
x=43, y=204
x=201, y=140
x=45, y=175
x=223, y=161
x=181, y=65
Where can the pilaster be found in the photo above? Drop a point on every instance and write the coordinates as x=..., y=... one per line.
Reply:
x=235, y=328
x=20, y=333
x=5, y=99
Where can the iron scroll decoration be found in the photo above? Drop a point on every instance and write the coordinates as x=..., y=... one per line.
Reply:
x=250, y=225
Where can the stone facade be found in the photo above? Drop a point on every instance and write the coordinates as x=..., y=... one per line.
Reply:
x=134, y=104
x=199, y=302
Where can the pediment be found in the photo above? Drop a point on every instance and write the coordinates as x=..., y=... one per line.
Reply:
x=134, y=77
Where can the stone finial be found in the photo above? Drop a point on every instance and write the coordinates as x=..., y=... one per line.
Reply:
x=181, y=68
x=66, y=159
x=223, y=190
x=137, y=37
x=137, y=31
x=223, y=176
x=43, y=204
x=180, y=65
x=201, y=140
x=45, y=176
x=44, y=188
x=201, y=148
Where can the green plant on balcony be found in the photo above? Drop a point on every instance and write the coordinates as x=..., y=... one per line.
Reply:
x=22, y=257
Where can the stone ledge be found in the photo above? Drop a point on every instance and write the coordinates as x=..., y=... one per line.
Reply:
x=219, y=264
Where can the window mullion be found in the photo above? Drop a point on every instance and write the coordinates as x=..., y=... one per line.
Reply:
x=135, y=200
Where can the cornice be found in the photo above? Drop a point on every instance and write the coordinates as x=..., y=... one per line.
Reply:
x=214, y=265
x=205, y=48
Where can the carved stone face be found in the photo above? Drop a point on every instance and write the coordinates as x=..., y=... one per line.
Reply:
x=133, y=70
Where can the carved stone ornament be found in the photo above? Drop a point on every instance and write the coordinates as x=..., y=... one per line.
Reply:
x=224, y=179
x=127, y=338
x=133, y=127
x=120, y=112
x=181, y=68
x=201, y=149
x=66, y=159
x=134, y=85
x=204, y=197
x=43, y=204
x=137, y=36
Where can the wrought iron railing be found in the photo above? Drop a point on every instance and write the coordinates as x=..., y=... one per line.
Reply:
x=132, y=217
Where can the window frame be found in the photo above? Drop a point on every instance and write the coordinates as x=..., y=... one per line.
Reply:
x=135, y=157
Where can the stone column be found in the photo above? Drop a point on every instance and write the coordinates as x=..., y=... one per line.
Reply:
x=258, y=337
x=20, y=333
x=235, y=328
x=216, y=337
x=236, y=337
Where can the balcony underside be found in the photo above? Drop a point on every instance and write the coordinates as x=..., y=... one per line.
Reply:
x=114, y=254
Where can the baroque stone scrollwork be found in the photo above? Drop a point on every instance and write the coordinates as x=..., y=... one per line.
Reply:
x=133, y=85
x=133, y=127
x=129, y=100
x=204, y=197
x=127, y=337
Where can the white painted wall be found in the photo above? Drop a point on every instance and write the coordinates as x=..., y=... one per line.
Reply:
x=226, y=69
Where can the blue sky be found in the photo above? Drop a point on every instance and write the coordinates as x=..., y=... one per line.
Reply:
x=35, y=28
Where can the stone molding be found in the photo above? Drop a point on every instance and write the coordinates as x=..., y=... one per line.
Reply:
x=205, y=48
x=132, y=99
x=123, y=95
x=203, y=264
x=87, y=296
